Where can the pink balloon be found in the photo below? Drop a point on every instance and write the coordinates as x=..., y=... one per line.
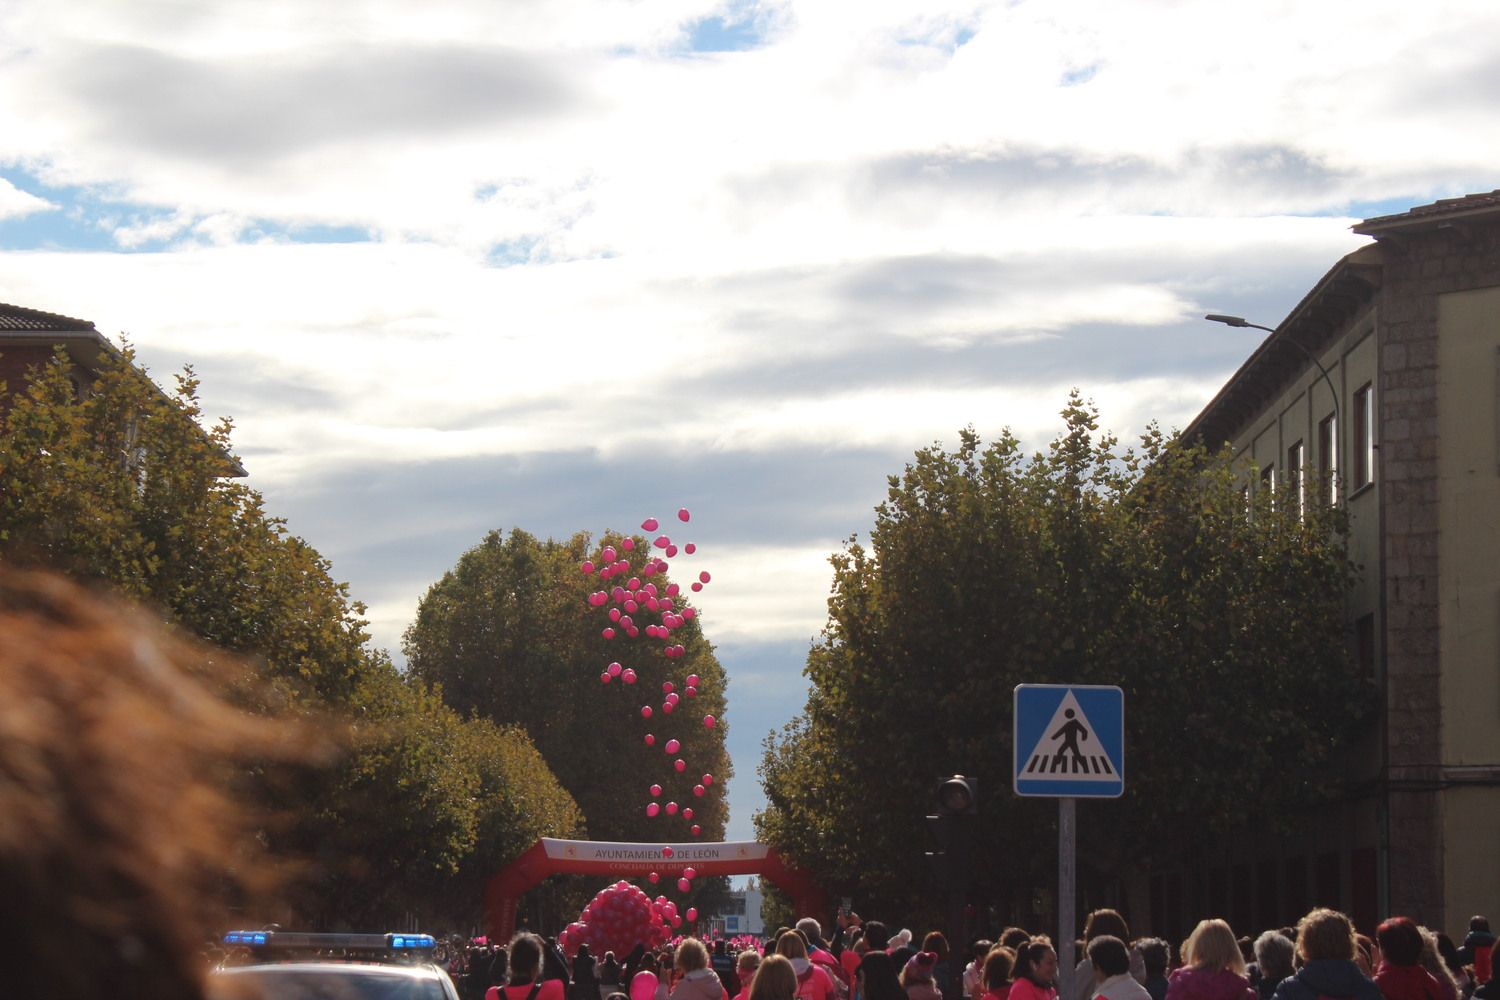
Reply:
x=684, y=885
x=673, y=589
x=692, y=680
x=668, y=707
x=671, y=551
x=652, y=809
x=631, y=607
x=673, y=698
x=689, y=873
x=604, y=677
x=627, y=544
x=661, y=541
x=687, y=812
x=690, y=548
x=650, y=740
x=708, y=722
x=671, y=809
x=614, y=614
x=654, y=877
x=628, y=676
x=708, y=779
x=614, y=669
x=666, y=852
x=680, y=765
x=649, y=524
x=691, y=692
x=668, y=687
x=690, y=613
x=697, y=586
x=704, y=577
x=632, y=632
x=673, y=746
x=587, y=567
x=645, y=711
x=608, y=633
x=609, y=554
x=692, y=913
x=697, y=829
x=683, y=515
x=634, y=583
x=698, y=790
x=656, y=791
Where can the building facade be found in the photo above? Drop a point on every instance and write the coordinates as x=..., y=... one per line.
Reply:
x=1402, y=425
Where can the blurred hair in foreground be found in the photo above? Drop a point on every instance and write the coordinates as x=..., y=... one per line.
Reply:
x=120, y=848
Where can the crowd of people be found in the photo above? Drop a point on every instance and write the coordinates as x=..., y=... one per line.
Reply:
x=1322, y=958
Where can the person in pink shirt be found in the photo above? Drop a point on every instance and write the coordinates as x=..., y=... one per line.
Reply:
x=813, y=983
x=998, y=966
x=745, y=967
x=524, y=982
x=1035, y=972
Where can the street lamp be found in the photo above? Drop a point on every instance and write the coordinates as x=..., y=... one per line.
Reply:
x=1338, y=420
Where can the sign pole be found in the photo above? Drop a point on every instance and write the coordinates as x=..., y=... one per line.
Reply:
x=1067, y=839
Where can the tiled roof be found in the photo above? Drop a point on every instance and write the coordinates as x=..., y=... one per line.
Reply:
x=1438, y=211
x=18, y=319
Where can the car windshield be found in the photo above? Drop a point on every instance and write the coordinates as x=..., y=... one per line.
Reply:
x=331, y=984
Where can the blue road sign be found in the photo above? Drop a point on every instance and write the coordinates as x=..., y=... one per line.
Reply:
x=1070, y=741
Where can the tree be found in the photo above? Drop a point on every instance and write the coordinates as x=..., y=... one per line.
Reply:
x=508, y=635
x=121, y=485
x=985, y=570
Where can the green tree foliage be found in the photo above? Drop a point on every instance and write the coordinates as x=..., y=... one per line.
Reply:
x=120, y=484
x=986, y=569
x=509, y=636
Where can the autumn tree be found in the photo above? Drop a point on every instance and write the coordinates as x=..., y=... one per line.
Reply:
x=1082, y=564
x=121, y=485
x=509, y=636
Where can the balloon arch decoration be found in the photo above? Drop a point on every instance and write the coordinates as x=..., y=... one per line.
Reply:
x=585, y=857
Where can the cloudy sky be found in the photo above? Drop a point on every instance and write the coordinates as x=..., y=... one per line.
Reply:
x=560, y=264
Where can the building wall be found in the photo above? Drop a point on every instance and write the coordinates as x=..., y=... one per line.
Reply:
x=1468, y=470
x=1427, y=276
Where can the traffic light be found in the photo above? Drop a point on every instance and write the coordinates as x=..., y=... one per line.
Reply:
x=959, y=796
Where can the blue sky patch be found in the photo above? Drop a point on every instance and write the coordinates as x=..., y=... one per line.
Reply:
x=1080, y=76
x=736, y=30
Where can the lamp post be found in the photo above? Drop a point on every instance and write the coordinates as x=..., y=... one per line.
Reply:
x=1338, y=420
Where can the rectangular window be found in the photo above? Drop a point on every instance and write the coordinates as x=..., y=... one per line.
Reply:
x=1268, y=483
x=1328, y=459
x=1294, y=477
x=1363, y=444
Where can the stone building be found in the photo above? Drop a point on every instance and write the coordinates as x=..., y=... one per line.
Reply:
x=1401, y=424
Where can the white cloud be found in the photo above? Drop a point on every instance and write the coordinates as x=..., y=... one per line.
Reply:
x=15, y=203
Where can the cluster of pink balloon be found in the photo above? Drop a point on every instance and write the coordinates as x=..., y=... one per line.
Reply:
x=619, y=917
x=632, y=603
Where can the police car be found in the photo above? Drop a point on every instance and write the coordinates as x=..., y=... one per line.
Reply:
x=278, y=965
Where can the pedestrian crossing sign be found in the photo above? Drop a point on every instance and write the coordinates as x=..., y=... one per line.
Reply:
x=1069, y=741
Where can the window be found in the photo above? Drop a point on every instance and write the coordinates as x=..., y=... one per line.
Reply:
x=1294, y=476
x=1363, y=443
x=1268, y=483
x=1328, y=459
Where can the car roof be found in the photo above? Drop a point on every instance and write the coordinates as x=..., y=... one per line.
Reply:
x=285, y=968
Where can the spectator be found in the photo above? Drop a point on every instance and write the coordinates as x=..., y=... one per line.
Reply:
x=813, y=983
x=1478, y=948
x=999, y=966
x=1432, y=961
x=585, y=980
x=878, y=978
x=699, y=981
x=1213, y=968
x=609, y=972
x=917, y=977
x=1156, y=955
x=944, y=976
x=118, y=845
x=1109, y=960
x=723, y=965
x=972, y=981
x=1102, y=923
x=1273, y=955
x=1401, y=976
x=1035, y=974
x=1325, y=946
x=525, y=980
x=774, y=980
x=744, y=968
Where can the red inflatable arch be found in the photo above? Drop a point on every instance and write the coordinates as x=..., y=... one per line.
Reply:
x=587, y=857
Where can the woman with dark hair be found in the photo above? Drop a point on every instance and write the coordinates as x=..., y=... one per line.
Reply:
x=1103, y=923
x=524, y=981
x=878, y=979
x=585, y=981
x=1035, y=972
